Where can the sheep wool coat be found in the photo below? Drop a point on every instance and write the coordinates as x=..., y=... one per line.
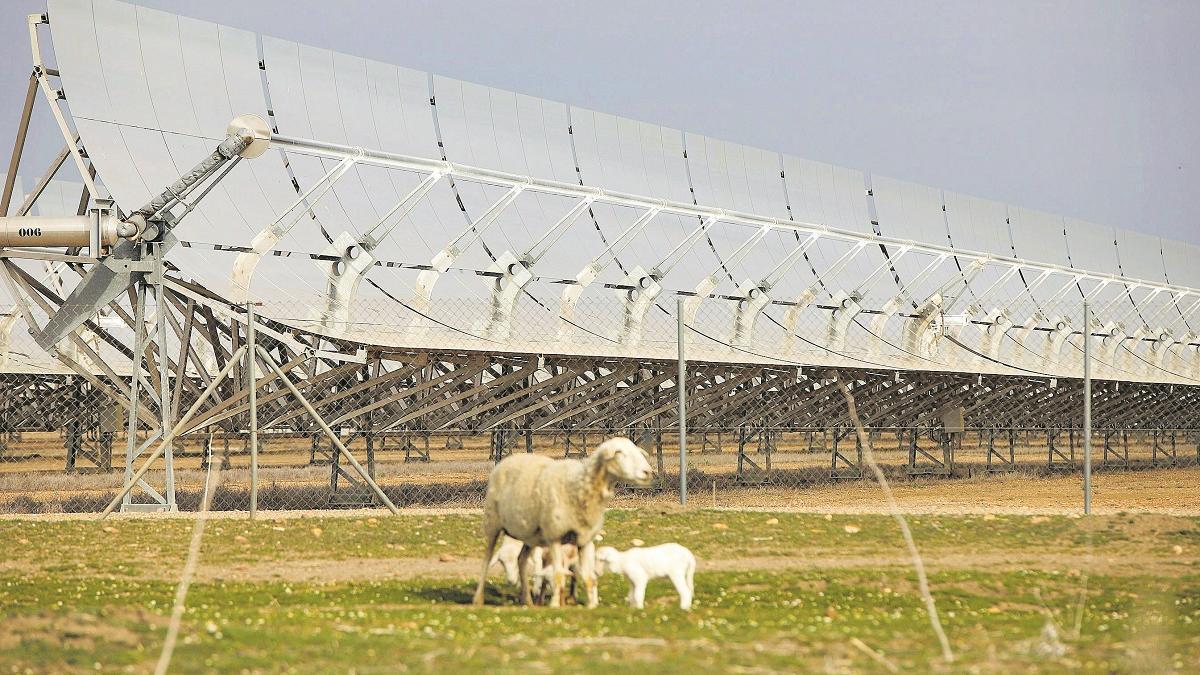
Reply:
x=541, y=501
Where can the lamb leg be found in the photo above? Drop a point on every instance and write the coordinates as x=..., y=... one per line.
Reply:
x=639, y=592
x=556, y=579
x=679, y=579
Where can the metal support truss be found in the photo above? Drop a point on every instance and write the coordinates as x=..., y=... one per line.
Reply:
x=762, y=440
x=501, y=444
x=709, y=446
x=1163, y=449
x=412, y=451
x=576, y=449
x=158, y=386
x=841, y=465
x=922, y=462
x=1056, y=458
x=1116, y=455
x=998, y=461
x=345, y=488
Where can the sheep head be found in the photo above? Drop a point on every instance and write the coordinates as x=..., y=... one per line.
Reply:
x=623, y=460
x=605, y=557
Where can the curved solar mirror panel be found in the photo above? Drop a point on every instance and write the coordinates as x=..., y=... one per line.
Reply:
x=910, y=211
x=479, y=126
x=186, y=76
x=403, y=122
x=826, y=194
x=1039, y=236
x=318, y=102
x=981, y=226
x=834, y=197
x=740, y=178
x=326, y=218
x=945, y=283
x=602, y=159
x=495, y=129
x=1179, y=261
x=227, y=60
x=1093, y=247
x=75, y=50
x=637, y=158
x=1115, y=303
x=1140, y=257
x=630, y=156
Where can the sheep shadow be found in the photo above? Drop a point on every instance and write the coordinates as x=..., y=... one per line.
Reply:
x=459, y=594
x=493, y=595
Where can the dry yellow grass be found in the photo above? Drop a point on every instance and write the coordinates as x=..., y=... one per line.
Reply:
x=1168, y=491
x=1171, y=490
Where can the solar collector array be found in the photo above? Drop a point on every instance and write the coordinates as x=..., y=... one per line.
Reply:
x=150, y=93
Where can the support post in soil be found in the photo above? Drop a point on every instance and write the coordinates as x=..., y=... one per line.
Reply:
x=1087, y=408
x=681, y=389
x=252, y=382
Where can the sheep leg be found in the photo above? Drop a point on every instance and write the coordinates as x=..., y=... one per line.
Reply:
x=490, y=538
x=523, y=570
x=556, y=580
x=679, y=579
x=639, y=591
x=691, y=582
x=537, y=565
x=587, y=572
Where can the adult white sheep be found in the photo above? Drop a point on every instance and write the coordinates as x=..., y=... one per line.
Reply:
x=640, y=565
x=548, y=502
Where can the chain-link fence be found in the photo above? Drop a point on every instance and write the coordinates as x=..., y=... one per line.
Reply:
x=426, y=401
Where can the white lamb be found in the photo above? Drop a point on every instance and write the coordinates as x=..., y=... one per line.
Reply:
x=507, y=555
x=551, y=503
x=640, y=565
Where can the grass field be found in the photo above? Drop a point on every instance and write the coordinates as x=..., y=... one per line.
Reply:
x=775, y=592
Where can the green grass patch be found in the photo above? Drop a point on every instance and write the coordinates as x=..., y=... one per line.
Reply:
x=778, y=620
x=74, y=594
x=118, y=546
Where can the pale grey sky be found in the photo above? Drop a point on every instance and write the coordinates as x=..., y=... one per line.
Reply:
x=1089, y=109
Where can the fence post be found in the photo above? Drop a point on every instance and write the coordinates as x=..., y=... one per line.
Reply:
x=251, y=357
x=1087, y=408
x=681, y=389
